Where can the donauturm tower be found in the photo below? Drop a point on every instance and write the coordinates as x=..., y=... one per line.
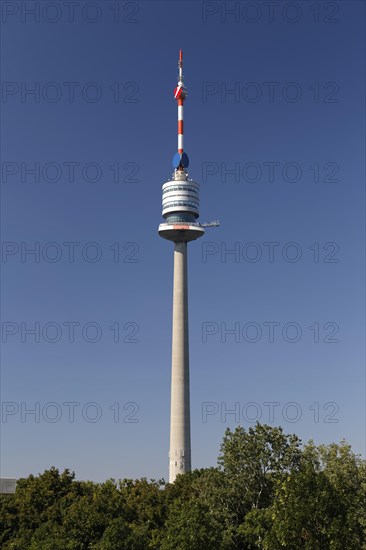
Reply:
x=181, y=212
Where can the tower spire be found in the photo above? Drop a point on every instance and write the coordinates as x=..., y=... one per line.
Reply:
x=180, y=160
x=180, y=66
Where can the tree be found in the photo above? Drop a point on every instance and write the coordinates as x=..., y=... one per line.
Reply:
x=191, y=526
x=320, y=505
x=35, y=502
x=120, y=536
x=251, y=463
x=252, y=460
x=266, y=493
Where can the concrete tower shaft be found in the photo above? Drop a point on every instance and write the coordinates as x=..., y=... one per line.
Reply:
x=180, y=424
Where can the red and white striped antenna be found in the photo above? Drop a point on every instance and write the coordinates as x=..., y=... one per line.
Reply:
x=180, y=160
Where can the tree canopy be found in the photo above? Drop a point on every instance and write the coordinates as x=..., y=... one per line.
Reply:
x=267, y=492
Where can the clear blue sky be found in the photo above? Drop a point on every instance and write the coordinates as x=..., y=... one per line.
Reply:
x=293, y=128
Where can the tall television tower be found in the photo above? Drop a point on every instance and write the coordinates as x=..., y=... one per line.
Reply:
x=181, y=211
